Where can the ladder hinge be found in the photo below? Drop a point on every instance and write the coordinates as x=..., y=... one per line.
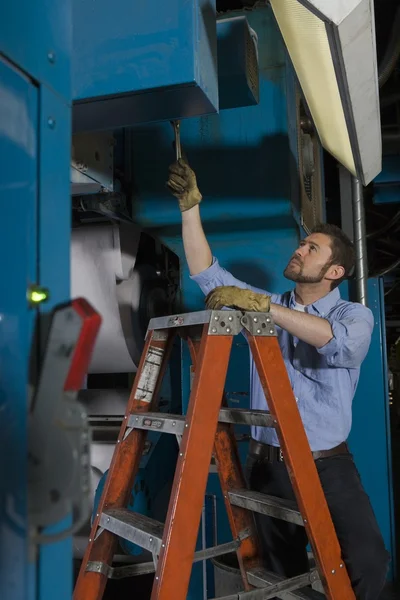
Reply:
x=259, y=324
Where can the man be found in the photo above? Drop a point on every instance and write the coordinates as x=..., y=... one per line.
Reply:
x=323, y=341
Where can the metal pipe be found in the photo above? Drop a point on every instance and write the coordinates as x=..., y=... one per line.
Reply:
x=360, y=246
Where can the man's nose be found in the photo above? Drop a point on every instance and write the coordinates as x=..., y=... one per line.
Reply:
x=300, y=252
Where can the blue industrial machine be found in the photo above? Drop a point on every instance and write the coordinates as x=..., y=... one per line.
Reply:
x=35, y=117
x=260, y=172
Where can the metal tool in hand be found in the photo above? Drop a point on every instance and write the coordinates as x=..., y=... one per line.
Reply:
x=177, y=130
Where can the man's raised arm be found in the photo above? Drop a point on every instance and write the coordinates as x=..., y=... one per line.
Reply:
x=183, y=185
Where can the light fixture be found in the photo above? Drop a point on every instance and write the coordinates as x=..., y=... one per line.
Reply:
x=332, y=47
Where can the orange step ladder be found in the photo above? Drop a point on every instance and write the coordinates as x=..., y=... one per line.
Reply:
x=207, y=430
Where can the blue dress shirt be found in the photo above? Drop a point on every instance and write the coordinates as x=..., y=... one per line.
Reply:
x=324, y=380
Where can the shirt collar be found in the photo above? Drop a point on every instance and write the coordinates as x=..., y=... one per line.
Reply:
x=323, y=305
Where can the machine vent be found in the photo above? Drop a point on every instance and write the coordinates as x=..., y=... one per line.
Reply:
x=309, y=151
x=252, y=63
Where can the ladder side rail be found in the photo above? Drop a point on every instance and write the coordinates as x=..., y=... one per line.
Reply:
x=190, y=481
x=301, y=467
x=125, y=462
x=231, y=478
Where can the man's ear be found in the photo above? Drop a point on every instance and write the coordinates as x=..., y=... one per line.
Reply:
x=335, y=272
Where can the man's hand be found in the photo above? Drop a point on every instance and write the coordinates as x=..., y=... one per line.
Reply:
x=183, y=185
x=234, y=297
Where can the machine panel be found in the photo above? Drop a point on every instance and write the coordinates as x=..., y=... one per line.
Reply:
x=37, y=37
x=18, y=248
x=132, y=65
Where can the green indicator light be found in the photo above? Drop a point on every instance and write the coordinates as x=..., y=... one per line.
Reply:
x=37, y=295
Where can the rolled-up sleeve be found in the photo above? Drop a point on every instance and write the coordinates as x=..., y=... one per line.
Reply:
x=216, y=276
x=352, y=332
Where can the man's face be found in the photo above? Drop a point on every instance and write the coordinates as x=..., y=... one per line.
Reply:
x=310, y=263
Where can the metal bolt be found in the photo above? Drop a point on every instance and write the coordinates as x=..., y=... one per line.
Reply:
x=230, y=318
x=137, y=419
x=125, y=417
x=90, y=539
x=268, y=320
x=150, y=540
x=214, y=330
x=51, y=57
x=163, y=546
x=173, y=423
x=305, y=520
x=186, y=425
x=255, y=320
x=180, y=453
x=216, y=318
x=271, y=331
x=108, y=519
x=157, y=578
x=51, y=122
x=98, y=568
x=258, y=331
x=228, y=330
x=333, y=571
x=341, y=565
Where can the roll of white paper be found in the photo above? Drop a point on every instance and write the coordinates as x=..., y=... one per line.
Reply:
x=96, y=259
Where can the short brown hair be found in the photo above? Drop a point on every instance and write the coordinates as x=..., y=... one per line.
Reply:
x=342, y=249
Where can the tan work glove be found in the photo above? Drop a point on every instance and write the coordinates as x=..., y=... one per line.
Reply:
x=234, y=297
x=183, y=185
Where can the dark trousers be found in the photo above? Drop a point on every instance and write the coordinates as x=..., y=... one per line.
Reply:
x=284, y=544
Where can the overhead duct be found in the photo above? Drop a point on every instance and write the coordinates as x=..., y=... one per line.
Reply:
x=134, y=65
x=127, y=295
x=332, y=46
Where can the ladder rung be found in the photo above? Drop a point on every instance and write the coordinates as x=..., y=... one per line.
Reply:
x=165, y=423
x=139, y=529
x=147, y=533
x=267, y=505
x=175, y=424
x=260, y=578
x=270, y=586
x=243, y=416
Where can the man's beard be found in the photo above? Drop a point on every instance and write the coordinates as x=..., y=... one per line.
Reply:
x=299, y=277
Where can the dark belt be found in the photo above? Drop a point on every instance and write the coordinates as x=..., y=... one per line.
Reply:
x=274, y=454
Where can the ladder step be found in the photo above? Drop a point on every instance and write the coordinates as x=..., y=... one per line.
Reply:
x=267, y=505
x=175, y=424
x=261, y=578
x=166, y=423
x=139, y=529
x=242, y=416
x=147, y=533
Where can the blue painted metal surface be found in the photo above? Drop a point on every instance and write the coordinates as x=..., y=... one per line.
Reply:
x=36, y=36
x=387, y=183
x=143, y=65
x=390, y=170
x=19, y=102
x=54, y=223
x=237, y=73
x=370, y=436
x=386, y=194
x=35, y=228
